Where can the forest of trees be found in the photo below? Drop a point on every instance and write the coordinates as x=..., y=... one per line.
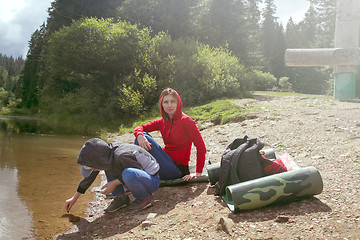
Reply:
x=107, y=61
x=10, y=70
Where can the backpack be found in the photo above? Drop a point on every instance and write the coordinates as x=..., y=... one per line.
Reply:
x=241, y=161
x=272, y=166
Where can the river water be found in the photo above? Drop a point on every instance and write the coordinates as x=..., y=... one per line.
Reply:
x=38, y=172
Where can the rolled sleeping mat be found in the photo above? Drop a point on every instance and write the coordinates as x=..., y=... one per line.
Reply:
x=277, y=188
x=178, y=181
x=214, y=169
x=269, y=153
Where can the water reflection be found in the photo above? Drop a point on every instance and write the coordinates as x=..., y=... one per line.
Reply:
x=18, y=124
x=38, y=172
x=11, y=205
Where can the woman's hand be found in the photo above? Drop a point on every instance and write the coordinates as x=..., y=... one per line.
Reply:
x=191, y=176
x=143, y=142
x=110, y=186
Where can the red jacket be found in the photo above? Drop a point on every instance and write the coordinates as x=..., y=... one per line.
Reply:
x=178, y=134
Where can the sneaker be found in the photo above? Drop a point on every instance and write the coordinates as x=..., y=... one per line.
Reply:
x=142, y=204
x=119, y=202
x=111, y=196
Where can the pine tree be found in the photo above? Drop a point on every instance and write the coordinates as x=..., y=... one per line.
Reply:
x=268, y=35
x=63, y=12
x=252, y=25
x=30, y=81
x=316, y=30
x=224, y=23
x=325, y=16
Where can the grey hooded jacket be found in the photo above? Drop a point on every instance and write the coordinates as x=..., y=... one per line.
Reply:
x=113, y=158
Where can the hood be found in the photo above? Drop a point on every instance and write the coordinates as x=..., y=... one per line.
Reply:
x=179, y=106
x=97, y=154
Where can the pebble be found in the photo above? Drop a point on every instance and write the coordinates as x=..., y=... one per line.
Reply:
x=226, y=224
x=282, y=219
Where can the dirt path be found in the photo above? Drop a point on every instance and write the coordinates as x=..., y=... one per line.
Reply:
x=315, y=131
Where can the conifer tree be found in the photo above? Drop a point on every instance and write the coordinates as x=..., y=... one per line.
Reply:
x=268, y=35
x=325, y=16
x=30, y=81
x=252, y=30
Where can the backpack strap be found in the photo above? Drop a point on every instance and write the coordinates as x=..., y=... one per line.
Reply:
x=229, y=162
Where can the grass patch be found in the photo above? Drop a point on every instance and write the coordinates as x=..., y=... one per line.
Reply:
x=130, y=127
x=217, y=113
x=214, y=113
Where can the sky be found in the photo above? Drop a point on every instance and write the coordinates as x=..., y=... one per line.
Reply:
x=20, y=18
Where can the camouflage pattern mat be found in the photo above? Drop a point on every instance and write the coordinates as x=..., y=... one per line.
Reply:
x=178, y=181
x=278, y=188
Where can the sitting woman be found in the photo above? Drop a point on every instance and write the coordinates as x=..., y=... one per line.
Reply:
x=179, y=132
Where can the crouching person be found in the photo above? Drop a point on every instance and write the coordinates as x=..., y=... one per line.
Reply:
x=129, y=166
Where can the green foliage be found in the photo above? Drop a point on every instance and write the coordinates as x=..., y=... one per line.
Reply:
x=10, y=69
x=284, y=84
x=63, y=12
x=221, y=23
x=224, y=76
x=214, y=113
x=316, y=30
x=113, y=71
x=3, y=97
x=95, y=59
x=130, y=100
x=313, y=80
x=217, y=112
x=263, y=81
x=211, y=72
x=135, y=102
x=8, y=100
x=3, y=76
x=272, y=42
x=173, y=17
x=30, y=81
x=12, y=65
x=129, y=127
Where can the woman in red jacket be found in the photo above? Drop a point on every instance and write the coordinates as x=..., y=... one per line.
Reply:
x=179, y=132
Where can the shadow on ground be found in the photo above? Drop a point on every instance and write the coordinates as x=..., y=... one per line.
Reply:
x=166, y=198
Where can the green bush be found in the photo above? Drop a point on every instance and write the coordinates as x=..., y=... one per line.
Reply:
x=263, y=81
x=92, y=64
x=201, y=73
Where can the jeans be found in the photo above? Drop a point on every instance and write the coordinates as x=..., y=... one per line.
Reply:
x=168, y=169
x=140, y=183
x=119, y=188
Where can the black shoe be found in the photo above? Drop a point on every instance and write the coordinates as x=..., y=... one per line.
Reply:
x=142, y=204
x=119, y=202
x=110, y=196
